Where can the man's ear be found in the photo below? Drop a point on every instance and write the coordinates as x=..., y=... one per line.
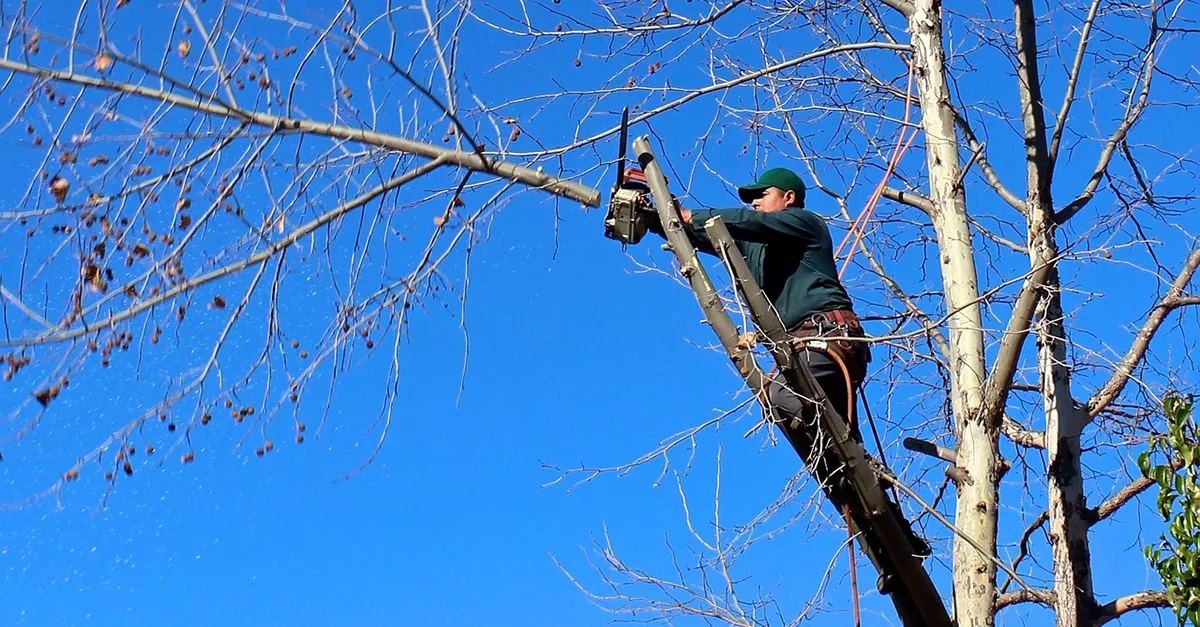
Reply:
x=790, y=197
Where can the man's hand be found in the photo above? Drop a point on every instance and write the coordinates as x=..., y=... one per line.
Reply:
x=685, y=215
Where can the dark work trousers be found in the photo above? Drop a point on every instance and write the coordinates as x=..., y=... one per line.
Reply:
x=832, y=380
x=830, y=377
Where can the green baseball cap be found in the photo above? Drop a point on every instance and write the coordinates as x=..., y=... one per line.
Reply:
x=782, y=178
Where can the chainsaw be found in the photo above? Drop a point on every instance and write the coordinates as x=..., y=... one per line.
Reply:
x=631, y=201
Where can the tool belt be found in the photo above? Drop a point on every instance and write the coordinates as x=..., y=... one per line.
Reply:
x=837, y=323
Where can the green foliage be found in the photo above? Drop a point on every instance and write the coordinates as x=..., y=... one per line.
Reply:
x=1173, y=462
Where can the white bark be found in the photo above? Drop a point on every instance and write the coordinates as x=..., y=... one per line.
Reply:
x=974, y=573
x=1067, y=503
x=1064, y=422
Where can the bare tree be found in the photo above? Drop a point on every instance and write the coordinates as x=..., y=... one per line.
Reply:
x=1012, y=331
x=213, y=159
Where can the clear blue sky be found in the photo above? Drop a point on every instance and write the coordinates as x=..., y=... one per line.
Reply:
x=575, y=358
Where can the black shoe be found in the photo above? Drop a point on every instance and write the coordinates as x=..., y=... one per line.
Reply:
x=920, y=547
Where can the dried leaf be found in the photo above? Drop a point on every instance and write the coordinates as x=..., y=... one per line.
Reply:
x=185, y=48
x=102, y=62
x=59, y=188
x=43, y=396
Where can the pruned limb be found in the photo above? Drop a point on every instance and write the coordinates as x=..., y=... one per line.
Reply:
x=912, y=199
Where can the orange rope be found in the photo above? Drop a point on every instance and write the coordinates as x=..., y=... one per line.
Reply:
x=858, y=229
x=853, y=570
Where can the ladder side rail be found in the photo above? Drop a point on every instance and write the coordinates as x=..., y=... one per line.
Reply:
x=881, y=522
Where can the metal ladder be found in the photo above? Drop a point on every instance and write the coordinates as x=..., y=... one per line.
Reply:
x=835, y=459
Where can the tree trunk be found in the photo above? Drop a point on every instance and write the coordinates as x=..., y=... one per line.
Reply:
x=974, y=573
x=1067, y=503
x=1064, y=422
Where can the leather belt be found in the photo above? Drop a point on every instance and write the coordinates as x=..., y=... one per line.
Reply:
x=838, y=317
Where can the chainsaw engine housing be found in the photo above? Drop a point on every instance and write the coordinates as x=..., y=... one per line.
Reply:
x=626, y=219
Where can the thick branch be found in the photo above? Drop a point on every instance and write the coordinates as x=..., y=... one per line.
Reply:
x=1140, y=601
x=1020, y=435
x=473, y=161
x=1127, y=493
x=1004, y=368
x=911, y=199
x=903, y=6
x=1040, y=595
x=1173, y=299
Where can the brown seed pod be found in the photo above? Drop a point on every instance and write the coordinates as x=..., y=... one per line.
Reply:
x=185, y=48
x=59, y=187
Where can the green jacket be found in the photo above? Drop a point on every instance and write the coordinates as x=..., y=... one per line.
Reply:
x=790, y=254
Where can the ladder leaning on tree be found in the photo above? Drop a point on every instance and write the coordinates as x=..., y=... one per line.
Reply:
x=837, y=461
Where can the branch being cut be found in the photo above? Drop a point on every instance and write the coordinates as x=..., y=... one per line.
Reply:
x=473, y=161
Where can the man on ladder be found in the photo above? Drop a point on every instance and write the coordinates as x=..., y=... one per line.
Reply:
x=790, y=253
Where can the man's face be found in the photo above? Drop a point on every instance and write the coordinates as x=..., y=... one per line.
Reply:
x=773, y=199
